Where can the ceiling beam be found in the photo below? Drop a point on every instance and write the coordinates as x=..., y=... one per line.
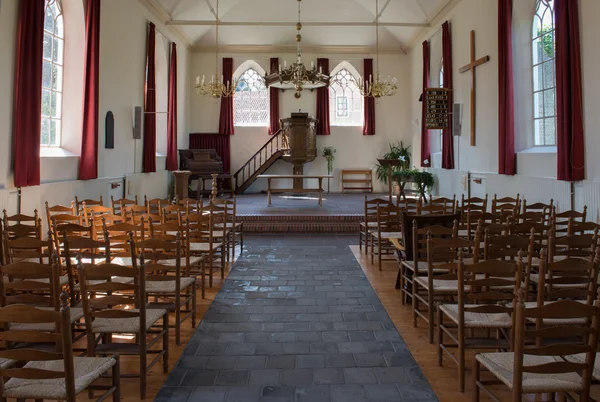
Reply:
x=387, y=3
x=307, y=49
x=293, y=24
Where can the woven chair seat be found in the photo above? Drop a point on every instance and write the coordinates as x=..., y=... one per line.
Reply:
x=502, y=365
x=97, y=282
x=76, y=315
x=477, y=320
x=439, y=285
x=87, y=370
x=126, y=325
x=219, y=233
x=423, y=268
x=168, y=286
x=6, y=363
x=63, y=280
x=387, y=235
x=126, y=261
x=229, y=225
x=204, y=247
x=580, y=358
x=369, y=224
x=535, y=278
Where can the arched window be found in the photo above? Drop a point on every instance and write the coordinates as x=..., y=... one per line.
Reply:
x=345, y=100
x=544, y=74
x=52, y=74
x=251, y=100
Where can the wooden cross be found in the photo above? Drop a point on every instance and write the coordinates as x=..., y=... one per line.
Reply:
x=471, y=67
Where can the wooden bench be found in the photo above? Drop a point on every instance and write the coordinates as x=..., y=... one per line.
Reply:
x=270, y=190
x=367, y=182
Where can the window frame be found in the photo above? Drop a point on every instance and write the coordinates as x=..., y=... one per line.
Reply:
x=58, y=13
x=541, y=8
x=334, y=96
x=260, y=78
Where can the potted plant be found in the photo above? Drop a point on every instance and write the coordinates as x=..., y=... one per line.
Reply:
x=397, y=151
x=329, y=154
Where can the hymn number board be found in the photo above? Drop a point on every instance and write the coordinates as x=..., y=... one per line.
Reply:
x=437, y=108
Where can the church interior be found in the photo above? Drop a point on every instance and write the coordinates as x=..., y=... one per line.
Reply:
x=299, y=200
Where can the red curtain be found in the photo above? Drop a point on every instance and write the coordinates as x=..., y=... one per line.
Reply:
x=218, y=142
x=88, y=161
x=27, y=112
x=425, y=151
x=323, y=126
x=569, y=98
x=447, y=140
x=149, y=160
x=226, y=117
x=506, y=102
x=369, y=103
x=172, y=109
x=274, y=100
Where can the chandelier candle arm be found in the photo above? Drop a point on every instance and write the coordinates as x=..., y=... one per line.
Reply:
x=216, y=88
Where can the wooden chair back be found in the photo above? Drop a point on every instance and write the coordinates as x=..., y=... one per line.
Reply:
x=571, y=278
x=79, y=204
x=562, y=220
x=173, y=213
x=59, y=210
x=199, y=228
x=388, y=219
x=154, y=205
x=440, y=206
x=539, y=230
x=505, y=247
x=409, y=221
x=554, y=342
x=161, y=260
x=537, y=209
x=408, y=205
x=118, y=205
x=582, y=227
x=130, y=211
x=506, y=206
x=442, y=253
x=90, y=213
x=473, y=203
x=27, y=249
x=370, y=208
x=20, y=225
x=422, y=237
x=581, y=246
x=166, y=231
x=60, y=337
x=30, y=283
x=119, y=235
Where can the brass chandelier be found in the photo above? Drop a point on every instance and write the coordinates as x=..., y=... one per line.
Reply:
x=374, y=87
x=297, y=76
x=216, y=87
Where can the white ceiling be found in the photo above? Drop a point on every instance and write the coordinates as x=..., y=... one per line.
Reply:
x=271, y=22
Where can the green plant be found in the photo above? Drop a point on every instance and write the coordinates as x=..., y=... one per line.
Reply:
x=397, y=151
x=423, y=180
x=547, y=41
x=329, y=154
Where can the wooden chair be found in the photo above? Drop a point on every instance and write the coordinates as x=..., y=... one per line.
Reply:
x=163, y=262
x=409, y=262
x=92, y=215
x=118, y=205
x=440, y=280
x=223, y=219
x=173, y=213
x=131, y=211
x=582, y=246
x=59, y=210
x=203, y=251
x=234, y=227
x=484, y=288
x=155, y=205
x=506, y=206
x=473, y=203
x=109, y=315
x=562, y=220
x=541, y=368
x=79, y=204
x=370, y=220
x=408, y=205
x=20, y=225
x=388, y=226
x=580, y=228
x=50, y=375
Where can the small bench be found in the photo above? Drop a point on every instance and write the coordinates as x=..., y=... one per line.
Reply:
x=366, y=180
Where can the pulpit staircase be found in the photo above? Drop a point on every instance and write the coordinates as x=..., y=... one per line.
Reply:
x=262, y=160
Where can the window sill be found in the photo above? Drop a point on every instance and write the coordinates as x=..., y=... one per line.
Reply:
x=538, y=150
x=347, y=125
x=56, y=152
x=266, y=125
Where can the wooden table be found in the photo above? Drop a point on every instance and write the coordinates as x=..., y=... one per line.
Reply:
x=270, y=190
x=221, y=178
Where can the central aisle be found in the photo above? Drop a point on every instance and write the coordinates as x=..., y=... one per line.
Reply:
x=297, y=322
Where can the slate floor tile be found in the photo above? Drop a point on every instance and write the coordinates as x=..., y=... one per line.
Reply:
x=314, y=393
x=202, y=378
x=297, y=377
x=310, y=361
x=328, y=376
x=232, y=377
x=360, y=376
x=251, y=362
x=243, y=394
x=208, y=394
x=269, y=377
x=173, y=394
x=281, y=362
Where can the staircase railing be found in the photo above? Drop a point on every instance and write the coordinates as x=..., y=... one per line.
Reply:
x=277, y=143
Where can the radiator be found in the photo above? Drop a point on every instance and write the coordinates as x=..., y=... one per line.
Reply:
x=587, y=194
x=532, y=189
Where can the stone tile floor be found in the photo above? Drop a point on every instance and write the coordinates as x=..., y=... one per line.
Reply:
x=296, y=321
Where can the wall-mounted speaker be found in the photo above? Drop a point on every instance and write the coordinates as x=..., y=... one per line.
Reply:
x=137, y=123
x=457, y=118
x=109, y=131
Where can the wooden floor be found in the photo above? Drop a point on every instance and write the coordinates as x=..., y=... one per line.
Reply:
x=443, y=380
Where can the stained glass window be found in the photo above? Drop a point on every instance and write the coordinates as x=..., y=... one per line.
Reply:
x=251, y=100
x=345, y=100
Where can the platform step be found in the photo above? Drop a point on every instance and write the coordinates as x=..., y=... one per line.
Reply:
x=301, y=223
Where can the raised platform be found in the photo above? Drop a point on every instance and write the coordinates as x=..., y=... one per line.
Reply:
x=340, y=213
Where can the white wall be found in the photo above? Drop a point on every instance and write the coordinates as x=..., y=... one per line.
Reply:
x=122, y=73
x=353, y=149
x=481, y=16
